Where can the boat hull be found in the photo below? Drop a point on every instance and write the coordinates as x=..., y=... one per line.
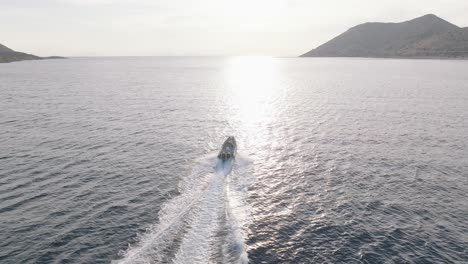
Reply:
x=228, y=150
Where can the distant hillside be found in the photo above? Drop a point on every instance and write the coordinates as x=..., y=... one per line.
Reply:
x=4, y=49
x=9, y=55
x=426, y=36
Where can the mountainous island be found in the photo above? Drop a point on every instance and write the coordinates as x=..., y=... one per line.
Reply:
x=9, y=55
x=424, y=37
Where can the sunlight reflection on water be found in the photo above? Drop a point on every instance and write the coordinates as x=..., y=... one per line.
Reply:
x=254, y=91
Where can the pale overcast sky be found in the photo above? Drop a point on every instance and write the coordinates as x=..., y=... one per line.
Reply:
x=198, y=27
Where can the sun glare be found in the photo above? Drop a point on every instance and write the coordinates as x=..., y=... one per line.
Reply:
x=253, y=88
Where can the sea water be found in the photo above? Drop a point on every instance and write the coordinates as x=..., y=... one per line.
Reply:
x=113, y=160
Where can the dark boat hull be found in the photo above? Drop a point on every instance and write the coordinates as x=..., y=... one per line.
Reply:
x=228, y=150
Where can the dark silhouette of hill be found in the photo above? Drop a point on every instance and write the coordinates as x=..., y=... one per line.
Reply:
x=9, y=55
x=426, y=36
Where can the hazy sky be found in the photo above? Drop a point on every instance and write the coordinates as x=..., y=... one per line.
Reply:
x=198, y=27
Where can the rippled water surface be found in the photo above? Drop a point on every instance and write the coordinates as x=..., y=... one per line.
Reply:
x=340, y=161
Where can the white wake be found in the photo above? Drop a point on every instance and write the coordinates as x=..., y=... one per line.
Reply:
x=205, y=223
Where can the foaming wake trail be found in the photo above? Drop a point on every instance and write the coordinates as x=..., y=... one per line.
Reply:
x=196, y=246
x=238, y=213
x=204, y=223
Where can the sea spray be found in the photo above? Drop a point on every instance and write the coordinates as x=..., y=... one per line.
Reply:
x=189, y=223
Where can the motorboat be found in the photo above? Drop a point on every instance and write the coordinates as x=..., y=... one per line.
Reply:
x=228, y=150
